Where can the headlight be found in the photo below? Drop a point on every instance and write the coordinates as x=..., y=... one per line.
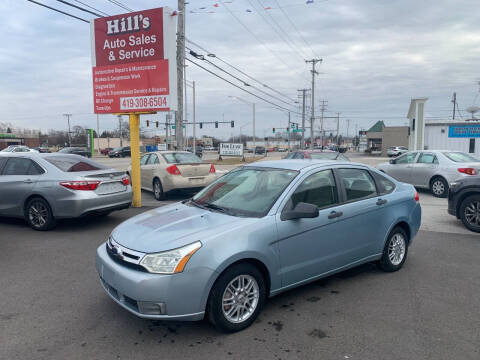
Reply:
x=170, y=262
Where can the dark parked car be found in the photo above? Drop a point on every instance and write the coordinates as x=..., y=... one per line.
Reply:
x=260, y=150
x=317, y=155
x=120, y=152
x=464, y=202
x=198, y=150
x=106, y=151
x=75, y=151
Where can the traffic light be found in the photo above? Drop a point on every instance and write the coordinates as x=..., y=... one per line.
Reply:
x=274, y=130
x=232, y=124
x=216, y=124
x=148, y=123
x=201, y=125
x=288, y=129
x=156, y=124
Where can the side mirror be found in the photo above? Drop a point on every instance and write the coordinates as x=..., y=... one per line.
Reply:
x=392, y=161
x=301, y=211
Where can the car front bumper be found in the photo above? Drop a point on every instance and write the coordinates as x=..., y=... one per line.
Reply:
x=181, y=296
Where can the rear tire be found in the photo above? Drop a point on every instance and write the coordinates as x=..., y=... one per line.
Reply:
x=38, y=214
x=470, y=213
x=439, y=187
x=237, y=298
x=158, y=190
x=395, y=251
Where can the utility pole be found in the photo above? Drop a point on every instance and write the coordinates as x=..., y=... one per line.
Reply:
x=194, y=120
x=302, y=144
x=454, y=101
x=120, y=127
x=253, y=120
x=180, y=72
x=322, y=109
x=314, y=72
x=348, y=126
x=185, y=117
x=167, y=124
x=288, y=132
x=69, y=132
x=338, y=127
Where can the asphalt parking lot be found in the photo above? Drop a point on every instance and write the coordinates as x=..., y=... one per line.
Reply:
x=53, y=306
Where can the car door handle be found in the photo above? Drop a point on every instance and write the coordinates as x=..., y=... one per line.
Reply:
x=381, y=201
x=335, y=214
x=28, y=181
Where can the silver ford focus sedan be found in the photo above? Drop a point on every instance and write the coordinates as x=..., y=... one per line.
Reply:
x=45, y=187
x=432, y=169
x=255, y=232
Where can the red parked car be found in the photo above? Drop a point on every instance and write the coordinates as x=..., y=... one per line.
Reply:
x=105, y=151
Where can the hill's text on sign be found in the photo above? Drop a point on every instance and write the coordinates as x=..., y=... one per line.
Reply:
x=134, y=62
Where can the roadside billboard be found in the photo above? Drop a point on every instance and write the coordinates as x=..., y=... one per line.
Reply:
x=228, y=149
x=134, y=62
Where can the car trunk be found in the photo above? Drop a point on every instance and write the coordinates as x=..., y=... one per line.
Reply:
x=194, y=169
x=111, y=181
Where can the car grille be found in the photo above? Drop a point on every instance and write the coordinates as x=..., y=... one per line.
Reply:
x=124, y=256
x=128, y=301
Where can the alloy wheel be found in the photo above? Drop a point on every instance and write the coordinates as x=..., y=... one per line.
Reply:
x=38, y=214
x=472, y=213
x=438, y=187
x=396, y=249
x=240, y=298
x=156, y=189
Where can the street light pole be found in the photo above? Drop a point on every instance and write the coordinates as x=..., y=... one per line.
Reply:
x=253, y=107
x=69, y=133
x=194, y=119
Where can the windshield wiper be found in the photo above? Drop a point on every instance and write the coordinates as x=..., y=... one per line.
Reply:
x=211, y=207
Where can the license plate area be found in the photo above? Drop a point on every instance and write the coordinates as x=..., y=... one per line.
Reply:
x=110, y=188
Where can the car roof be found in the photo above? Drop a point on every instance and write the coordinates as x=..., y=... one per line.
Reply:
x=297, y=164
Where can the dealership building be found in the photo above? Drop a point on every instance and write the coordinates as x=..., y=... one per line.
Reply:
x=441, y=135
x=14, y=139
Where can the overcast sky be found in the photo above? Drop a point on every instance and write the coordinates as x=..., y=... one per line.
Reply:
x=377, y=55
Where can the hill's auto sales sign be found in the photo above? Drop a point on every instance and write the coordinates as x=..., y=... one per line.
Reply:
x=134, y=62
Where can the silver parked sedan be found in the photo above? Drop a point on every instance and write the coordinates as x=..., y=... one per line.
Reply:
x=163, y=171
x=255, y=232
x=432, y=169
x=45, y=187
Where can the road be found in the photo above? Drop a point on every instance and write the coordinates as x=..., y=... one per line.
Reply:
x=53, y=306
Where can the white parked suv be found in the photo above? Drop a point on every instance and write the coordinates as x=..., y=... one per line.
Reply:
x=396, y=151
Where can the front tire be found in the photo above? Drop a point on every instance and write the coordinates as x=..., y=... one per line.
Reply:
x=38, y=215
x=439, y=187
x=395, y=251
x=470, y=213
x=158, y=190
x=237, y=298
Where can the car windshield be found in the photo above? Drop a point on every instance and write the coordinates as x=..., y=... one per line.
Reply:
x=8, y=149
x=245, y=192
x=117, y=149
x=72, y=164
x=325, y=155
x=460, y=157
x=181, y=158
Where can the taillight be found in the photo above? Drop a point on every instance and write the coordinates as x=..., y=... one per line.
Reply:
x=173, y=170
x=417, y=198
x=212, y=169
x=126, y=180
x=80, y=185
x=468, y=171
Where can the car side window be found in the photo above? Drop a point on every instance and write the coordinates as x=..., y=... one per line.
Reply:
x=290, y=156
x=426, y=158
x=408, y=158
x=19, y=166
x=3, y=161
x=299, y=155
x=358, y=184
x=35, y=169
x=153, y=159
x=317, y=189
x=144, y=159
x=384, y=186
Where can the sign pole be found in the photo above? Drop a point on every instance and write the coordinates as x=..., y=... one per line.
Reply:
x=134, y=120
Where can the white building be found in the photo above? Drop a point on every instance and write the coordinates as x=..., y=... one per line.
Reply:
x=453, y=135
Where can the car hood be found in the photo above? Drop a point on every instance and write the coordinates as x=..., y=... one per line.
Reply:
x=173, y=226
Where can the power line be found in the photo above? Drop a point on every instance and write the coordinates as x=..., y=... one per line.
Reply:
x=295, y=27
x=255, y=36
x=249, y=92
x=60, y=11
x=201, y=57
x=79, y=7
x=119, y=4
x=209, y=53
x=91, y=7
